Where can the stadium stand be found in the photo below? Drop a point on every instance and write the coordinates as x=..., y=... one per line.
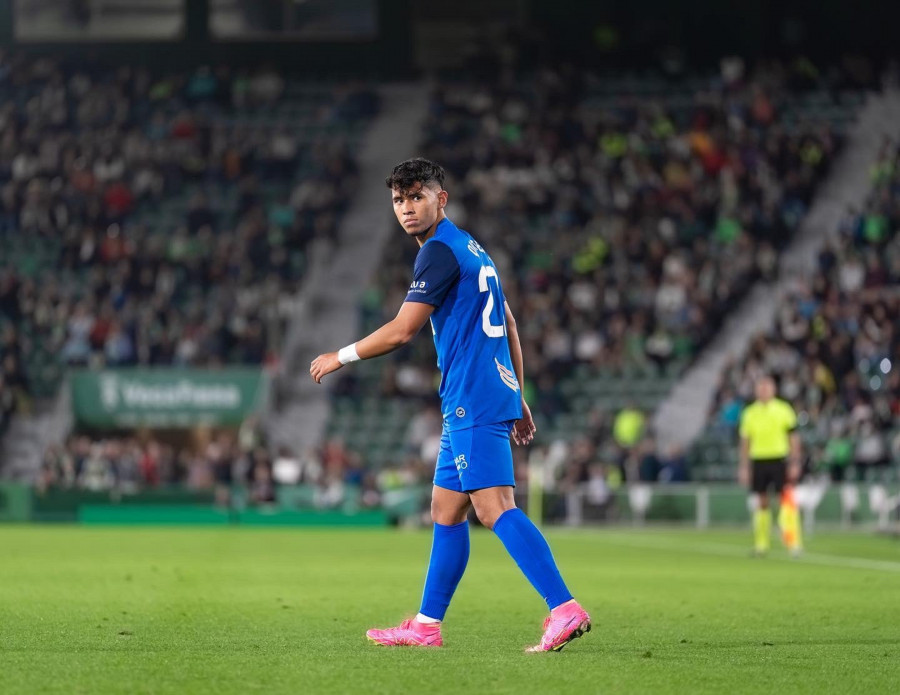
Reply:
x=125, y=464
x=130, y=203
x=643, y=215
x=834, y=347
x=628, y=215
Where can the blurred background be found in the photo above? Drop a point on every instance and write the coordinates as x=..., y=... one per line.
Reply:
x=680, y=196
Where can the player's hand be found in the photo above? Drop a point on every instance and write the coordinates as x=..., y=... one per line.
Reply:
x=524, y=429
x=744, y=475
x=324, y=364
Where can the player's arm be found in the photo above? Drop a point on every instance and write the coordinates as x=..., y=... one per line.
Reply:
x=795, y=450
x=744, y=461
x=744, y=432
x=795, y=459
x=394, y=334
x=524, y=429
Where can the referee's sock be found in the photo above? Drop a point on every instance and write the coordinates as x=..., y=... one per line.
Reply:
x=449, y=555
x=529, y=549
x=762, y=529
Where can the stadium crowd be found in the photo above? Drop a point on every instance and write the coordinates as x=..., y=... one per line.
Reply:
x=159, y=219
x=625, y=225
x=237, y=467
x=625, y=228
x=13, y=382
x=835, y=345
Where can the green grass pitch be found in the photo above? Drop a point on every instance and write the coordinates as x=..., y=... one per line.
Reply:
x=180, y=610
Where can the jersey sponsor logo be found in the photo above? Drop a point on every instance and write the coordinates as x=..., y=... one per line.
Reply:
x=475, y=248
x=507, y=376
x=460, y=412
x=418, y=286
x=461, y=463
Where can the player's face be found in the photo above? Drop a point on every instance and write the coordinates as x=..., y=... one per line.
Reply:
x=419, y=208
x=765, y=389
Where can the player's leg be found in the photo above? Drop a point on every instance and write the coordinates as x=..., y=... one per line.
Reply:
x=762, y=512
x=488, y=475
x=449, y=552
x=449, y=556
x=762, y=524
x=496, y=509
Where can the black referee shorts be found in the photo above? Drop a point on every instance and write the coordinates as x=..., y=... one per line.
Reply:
x=768, y=474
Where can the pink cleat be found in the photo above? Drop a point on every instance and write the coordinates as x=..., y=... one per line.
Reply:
x=411, y=633
x=565, y=623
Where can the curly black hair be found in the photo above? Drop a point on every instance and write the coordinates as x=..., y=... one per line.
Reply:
x=418, y=170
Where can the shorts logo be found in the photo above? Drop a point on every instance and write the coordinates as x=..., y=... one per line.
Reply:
x=460, y=412
x=461, y=463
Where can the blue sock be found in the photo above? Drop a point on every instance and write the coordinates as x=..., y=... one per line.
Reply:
x=529, y=549
x=449, y=555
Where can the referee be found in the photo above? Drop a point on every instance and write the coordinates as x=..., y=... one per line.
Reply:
x=769, y=456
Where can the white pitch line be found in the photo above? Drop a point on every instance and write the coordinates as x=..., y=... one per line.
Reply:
x=723, y=549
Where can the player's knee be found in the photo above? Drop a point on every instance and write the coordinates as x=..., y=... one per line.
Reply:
x=487, y=517
x=488, y=514
x=440, y=514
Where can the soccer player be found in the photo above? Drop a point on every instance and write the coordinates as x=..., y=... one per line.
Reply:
x=768, y=437
x=456, y=286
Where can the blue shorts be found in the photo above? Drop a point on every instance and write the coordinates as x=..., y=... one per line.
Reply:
x=475, y=458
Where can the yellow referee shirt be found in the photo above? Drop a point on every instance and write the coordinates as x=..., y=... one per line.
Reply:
x=768, y=426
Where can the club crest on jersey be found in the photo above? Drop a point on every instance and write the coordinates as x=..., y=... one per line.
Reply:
x=475, y=248
x=460, y=412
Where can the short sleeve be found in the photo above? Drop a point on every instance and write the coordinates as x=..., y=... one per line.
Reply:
x=745, y=423
x=790, y=417
x=435, y=273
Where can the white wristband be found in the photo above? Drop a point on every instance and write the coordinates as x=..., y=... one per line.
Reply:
x=348, y=354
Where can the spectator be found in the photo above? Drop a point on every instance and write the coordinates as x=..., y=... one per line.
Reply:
x=262, y=488
x=118, y=176
x=628, y=427
x=649, y=465
x=628, y=226
x=838, y=454
x=836, y=335
x=674, y=466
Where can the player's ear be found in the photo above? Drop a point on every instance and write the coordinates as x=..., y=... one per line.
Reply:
x=442, y=198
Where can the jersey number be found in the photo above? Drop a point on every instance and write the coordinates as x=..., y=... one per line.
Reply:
x=489, y=328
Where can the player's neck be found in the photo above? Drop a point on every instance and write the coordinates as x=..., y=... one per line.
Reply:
x=422, y=238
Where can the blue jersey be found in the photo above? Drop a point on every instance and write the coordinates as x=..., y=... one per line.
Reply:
x=456, y=276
